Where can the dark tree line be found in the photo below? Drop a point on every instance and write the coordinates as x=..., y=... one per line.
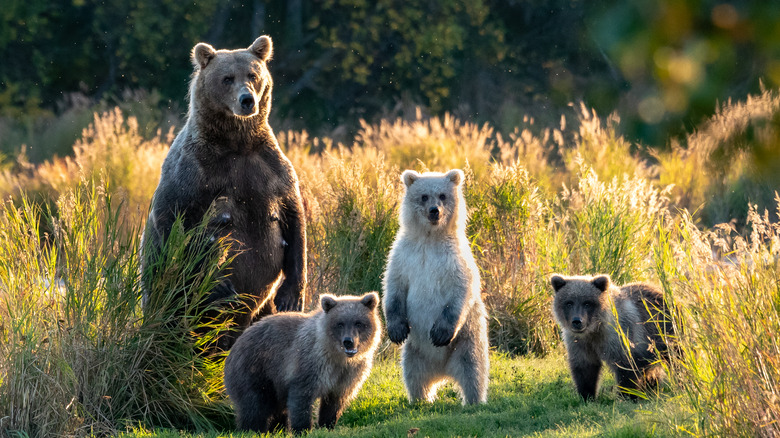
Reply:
x=661, y=64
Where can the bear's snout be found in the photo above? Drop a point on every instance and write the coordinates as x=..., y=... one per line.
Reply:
x=349, y=347
x=576, y=323
x=247, y=101
x=433, y=214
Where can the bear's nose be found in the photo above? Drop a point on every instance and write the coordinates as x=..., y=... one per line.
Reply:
x=349, y=344
x=247, y=101
x=433, y=212
x=576, y=322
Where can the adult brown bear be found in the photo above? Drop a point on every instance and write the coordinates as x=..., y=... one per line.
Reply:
x=227, y=159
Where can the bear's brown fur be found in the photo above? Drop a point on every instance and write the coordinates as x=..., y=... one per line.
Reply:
x=583, y=307
x=284, y=362
x=227, y=158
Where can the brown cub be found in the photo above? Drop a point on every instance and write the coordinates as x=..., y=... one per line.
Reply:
x=583, y=308
x=283, y=363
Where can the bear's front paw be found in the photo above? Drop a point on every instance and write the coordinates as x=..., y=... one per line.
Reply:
x=441, y=335
x=286, y=299
x=398, y=331
x=222, y=291
x=287, y=304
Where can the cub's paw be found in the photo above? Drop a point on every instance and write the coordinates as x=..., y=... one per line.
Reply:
x=398, y=331
x=441, y=334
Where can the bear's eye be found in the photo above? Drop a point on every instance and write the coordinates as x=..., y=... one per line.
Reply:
x=587, y=305
x=442, y=196
x=569, y=304
x=252, y=77
x=424, y=198
x=359, y=325
x=228, y=80
x=340, y=325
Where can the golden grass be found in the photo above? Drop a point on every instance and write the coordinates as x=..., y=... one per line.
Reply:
x=573, y=199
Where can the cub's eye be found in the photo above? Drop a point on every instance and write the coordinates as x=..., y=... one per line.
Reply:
x=569, y=304
x=442, y=196
x=587, y=305
x=424, y=198
x=359, y=325
x=252, y=76
x=340, y=325
x=228, y=80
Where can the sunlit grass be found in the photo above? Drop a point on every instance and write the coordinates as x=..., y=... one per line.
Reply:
x=78, y=357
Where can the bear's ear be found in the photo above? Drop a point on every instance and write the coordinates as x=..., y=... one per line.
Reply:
x=263, y=48
x=456, y=176
x=601, y=282
x=370, y=300
x=557, y=282
x=409, y=177
x=202, y=54
x=328, y=302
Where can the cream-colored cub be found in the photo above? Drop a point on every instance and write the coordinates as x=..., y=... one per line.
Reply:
x=432, y=291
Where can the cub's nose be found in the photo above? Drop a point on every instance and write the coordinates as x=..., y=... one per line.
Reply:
x=349, y=344
x=433, y=213
x=247, y=101
x=576, y=322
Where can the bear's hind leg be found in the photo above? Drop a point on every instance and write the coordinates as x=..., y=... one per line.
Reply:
x=469, y=367
x=278, y=421
x=252, y=413
x=420, y=376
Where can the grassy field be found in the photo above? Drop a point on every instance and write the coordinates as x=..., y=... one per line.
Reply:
x=527, y=397
x=699, y=218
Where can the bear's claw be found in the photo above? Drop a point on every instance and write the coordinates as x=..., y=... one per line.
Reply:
x=441, y=336
x=398, y=332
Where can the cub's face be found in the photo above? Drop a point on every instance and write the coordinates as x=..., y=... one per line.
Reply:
x=432, y=199
x=352, y=323
x=579, y=302
x=233, y=82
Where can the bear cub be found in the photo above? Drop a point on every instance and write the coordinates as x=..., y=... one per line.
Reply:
x=583, y=308
x=432, y=291
x=284, y=362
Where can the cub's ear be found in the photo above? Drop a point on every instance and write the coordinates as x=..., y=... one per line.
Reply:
x=202, y=54
x=409, y=177
x=328, y=302
x=456, y=176
x=370, y=300
x=557, y=282
x=263, y=48
x=601, y=282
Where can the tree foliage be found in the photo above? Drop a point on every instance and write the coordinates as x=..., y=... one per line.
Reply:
x=662, y=64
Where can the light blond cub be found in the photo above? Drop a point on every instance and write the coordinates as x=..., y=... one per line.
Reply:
x=432, y=299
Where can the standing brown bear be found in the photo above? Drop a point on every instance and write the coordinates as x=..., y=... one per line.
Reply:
x=227, y=158
x=628, y=336
x=285, y=362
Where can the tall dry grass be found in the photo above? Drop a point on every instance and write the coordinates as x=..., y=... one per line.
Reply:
x=78, y=357
x=112, y=147
x=726, y=289
x=730, y=161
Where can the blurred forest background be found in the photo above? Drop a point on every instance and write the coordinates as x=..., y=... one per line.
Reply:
x=635, y=138
x=661, y=65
